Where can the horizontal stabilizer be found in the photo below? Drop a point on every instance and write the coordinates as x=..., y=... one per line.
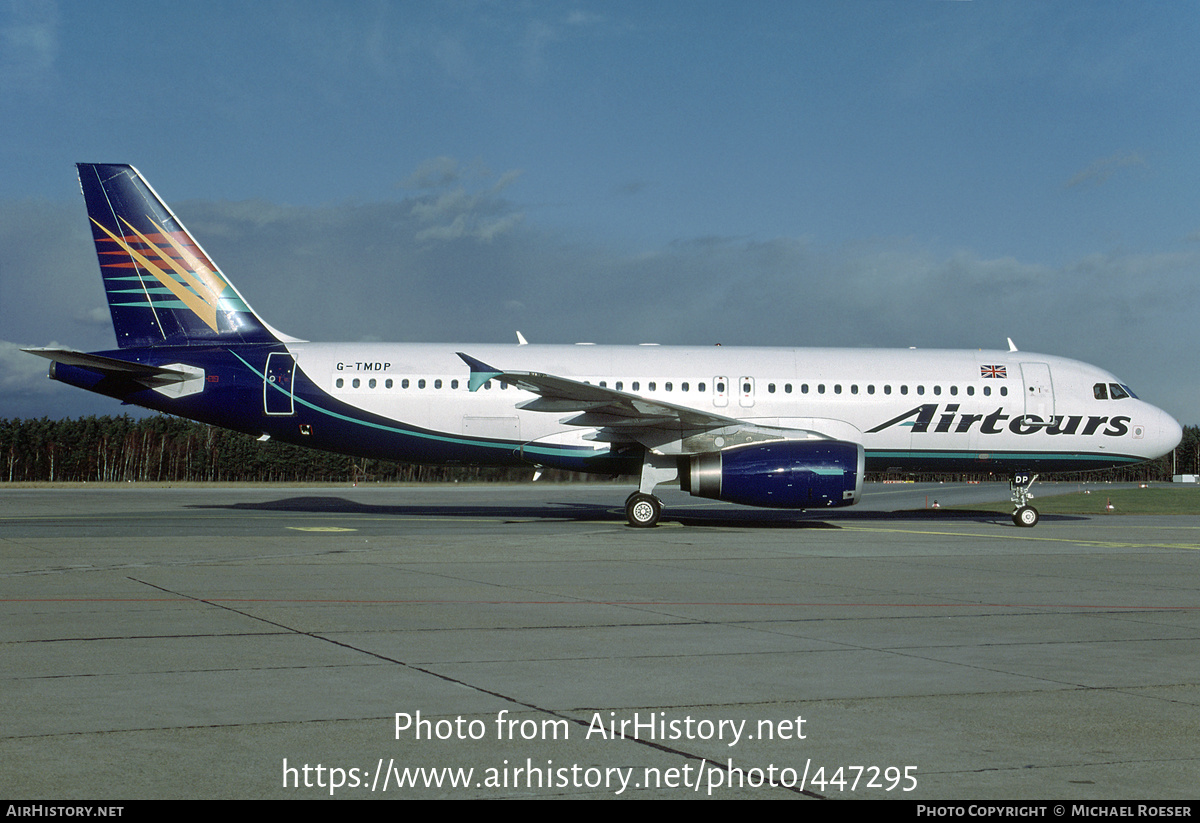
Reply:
x=108, y=365
x=172, y=380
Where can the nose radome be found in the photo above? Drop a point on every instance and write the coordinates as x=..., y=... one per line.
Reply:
x=1170, y=434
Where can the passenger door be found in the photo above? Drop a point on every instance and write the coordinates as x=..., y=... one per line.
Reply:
x=1039, y=390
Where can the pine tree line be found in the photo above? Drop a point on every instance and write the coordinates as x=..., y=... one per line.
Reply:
x=171, y=449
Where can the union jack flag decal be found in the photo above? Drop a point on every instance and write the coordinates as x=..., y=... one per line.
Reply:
x=993, y=371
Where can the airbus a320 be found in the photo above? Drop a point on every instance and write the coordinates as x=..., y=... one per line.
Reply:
x=791, y=428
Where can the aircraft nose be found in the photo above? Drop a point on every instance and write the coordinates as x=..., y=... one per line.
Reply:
x=1170, y=434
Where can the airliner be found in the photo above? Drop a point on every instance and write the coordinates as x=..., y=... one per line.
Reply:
x=791, y=428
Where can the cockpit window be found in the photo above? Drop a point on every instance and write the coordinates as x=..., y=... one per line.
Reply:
x=1112, y=391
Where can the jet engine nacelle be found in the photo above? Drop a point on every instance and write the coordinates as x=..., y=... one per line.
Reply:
x=792, y=474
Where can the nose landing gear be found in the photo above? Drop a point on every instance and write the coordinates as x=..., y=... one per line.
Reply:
x=1023, y=515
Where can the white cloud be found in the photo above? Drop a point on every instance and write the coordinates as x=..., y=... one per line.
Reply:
x=21, y=372
x=461, y=212
x=433, y=173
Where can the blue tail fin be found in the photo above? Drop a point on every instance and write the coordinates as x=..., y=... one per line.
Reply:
x=161, y=286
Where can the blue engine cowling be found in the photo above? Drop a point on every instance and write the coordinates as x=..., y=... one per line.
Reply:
x=792, y=474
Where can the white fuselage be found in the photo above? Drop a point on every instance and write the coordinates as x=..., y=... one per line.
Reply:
x=903, y=402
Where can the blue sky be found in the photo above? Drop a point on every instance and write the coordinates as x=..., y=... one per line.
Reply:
x=933, y=174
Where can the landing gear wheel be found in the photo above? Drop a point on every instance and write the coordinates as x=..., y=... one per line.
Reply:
x=642, y=510
x=1026, y=517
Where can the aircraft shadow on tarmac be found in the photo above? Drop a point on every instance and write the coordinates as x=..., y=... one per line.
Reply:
x=715, y=517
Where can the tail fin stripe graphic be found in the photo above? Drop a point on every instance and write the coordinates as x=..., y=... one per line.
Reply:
x=201, y=307
x=202, y=281
x=208, y=280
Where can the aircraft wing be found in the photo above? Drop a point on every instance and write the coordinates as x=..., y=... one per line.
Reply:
x=599, y=406
x=620, y=416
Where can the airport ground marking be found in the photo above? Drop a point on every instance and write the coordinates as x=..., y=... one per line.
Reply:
x=321, y=529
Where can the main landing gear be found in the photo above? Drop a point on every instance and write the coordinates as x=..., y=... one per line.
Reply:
x=1023, y=515
x=642, y=508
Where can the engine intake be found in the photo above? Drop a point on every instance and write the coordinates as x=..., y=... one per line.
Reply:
x=793, y=474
